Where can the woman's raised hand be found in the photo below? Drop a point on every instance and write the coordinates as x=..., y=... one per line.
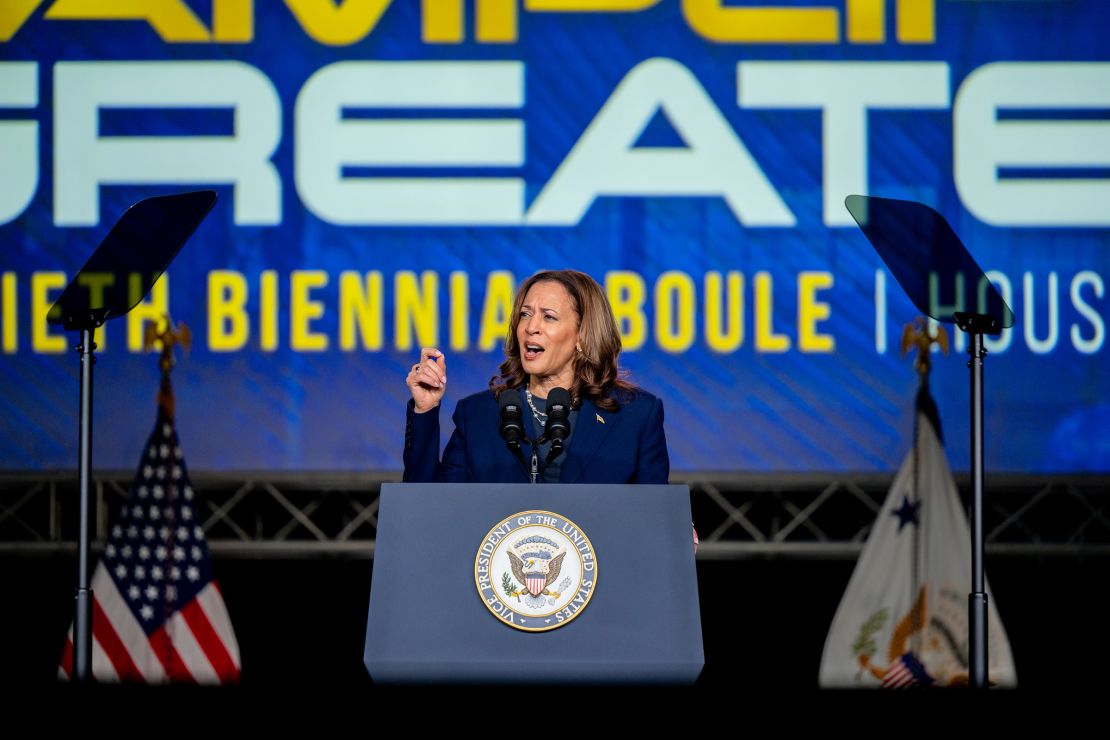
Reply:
x=427, y=380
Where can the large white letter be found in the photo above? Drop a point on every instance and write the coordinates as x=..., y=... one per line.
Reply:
x=19, y=140
x=1098, y=326
x=326, y=142
x=845, y=92
x=84, y=160
x=983, y=144
x=605, y=161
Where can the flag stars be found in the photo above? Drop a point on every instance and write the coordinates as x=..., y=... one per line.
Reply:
x=175, y=573
x=164, y=533
x=188, y=493
x=146, y=612
x=182, y=533
x=147, y=472
x=140, y=573
x=133, y=593
x=176, y=453
x=907, y=513
x=179, y=553
x=152, y=592
x=132, y=532
x=110, y=550
x=186, y=513
x=155, y=513
x=192, y=573
x=166, y=430
x=143, y=492
x=164, y=451
x=159, y=492
x=121, y=571
x=195, y=553
x=148, y=532
x=137, y=511
x=156, y=573
x=168, y=514
x=117, y=531
x=198, y=532
x=144, y=553
x=171, y=592
x=160, y=553
x=176, y=472
x=160, y=473
x=125, y=552
x=152, y=451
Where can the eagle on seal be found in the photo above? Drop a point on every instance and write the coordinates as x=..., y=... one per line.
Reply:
x=538, y=573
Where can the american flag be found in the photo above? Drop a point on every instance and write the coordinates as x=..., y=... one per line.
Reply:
x=158, y=615
x=906, y=672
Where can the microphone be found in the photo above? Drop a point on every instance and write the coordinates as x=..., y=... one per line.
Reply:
x=512, y=426
x=557, y=428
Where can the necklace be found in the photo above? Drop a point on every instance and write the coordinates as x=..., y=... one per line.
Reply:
x=540, y=416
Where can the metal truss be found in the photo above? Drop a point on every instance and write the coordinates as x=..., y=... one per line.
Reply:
x=737, y=516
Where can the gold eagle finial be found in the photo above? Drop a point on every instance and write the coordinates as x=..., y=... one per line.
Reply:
x=918, y=335
x=164, y=336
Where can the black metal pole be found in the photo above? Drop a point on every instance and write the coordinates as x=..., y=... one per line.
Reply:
x=977, y=599
x=82, y=619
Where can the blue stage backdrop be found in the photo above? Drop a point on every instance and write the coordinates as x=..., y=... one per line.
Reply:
x=388, y=171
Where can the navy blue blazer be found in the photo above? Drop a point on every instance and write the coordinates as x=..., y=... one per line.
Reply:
x=623, y=446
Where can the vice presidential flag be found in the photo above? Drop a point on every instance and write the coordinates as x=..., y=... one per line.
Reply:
x=158, y=615
x=903, y=620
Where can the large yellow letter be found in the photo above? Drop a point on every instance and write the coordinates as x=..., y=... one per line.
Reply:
x=268, y=311
x=416, y=309
x=13, y=14
x=233, y=21
x=338, y=25
x=96, y=283
x=626, y=293
x=303, y=310
x=360, y=306
x=41, y=338
x=811, y=311
x=8, y=312
x=460, y=310
x=228, y=325
x=724, y=334
x=496, y=309
x=762, y=25
x=765, y=338
x=916, y=22
x=172, y=20
x=154, y=308
x=674, y=311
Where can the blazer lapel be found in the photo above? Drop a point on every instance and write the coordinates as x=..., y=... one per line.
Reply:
x=593, y=425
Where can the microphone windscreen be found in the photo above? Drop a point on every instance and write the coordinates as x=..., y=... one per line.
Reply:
x=512, y=424
x=509, y=397
x=558, y=415
x=558, y=400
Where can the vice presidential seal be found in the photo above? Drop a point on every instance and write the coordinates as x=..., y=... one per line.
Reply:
x=535, y=571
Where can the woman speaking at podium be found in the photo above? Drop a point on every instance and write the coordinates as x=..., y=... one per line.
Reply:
x=562, y=334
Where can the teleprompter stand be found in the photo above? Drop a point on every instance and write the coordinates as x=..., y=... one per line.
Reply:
x=923, y=253
x=118, y=275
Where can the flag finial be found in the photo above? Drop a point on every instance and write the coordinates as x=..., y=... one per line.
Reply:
x=163, y=335
x=918, y=335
